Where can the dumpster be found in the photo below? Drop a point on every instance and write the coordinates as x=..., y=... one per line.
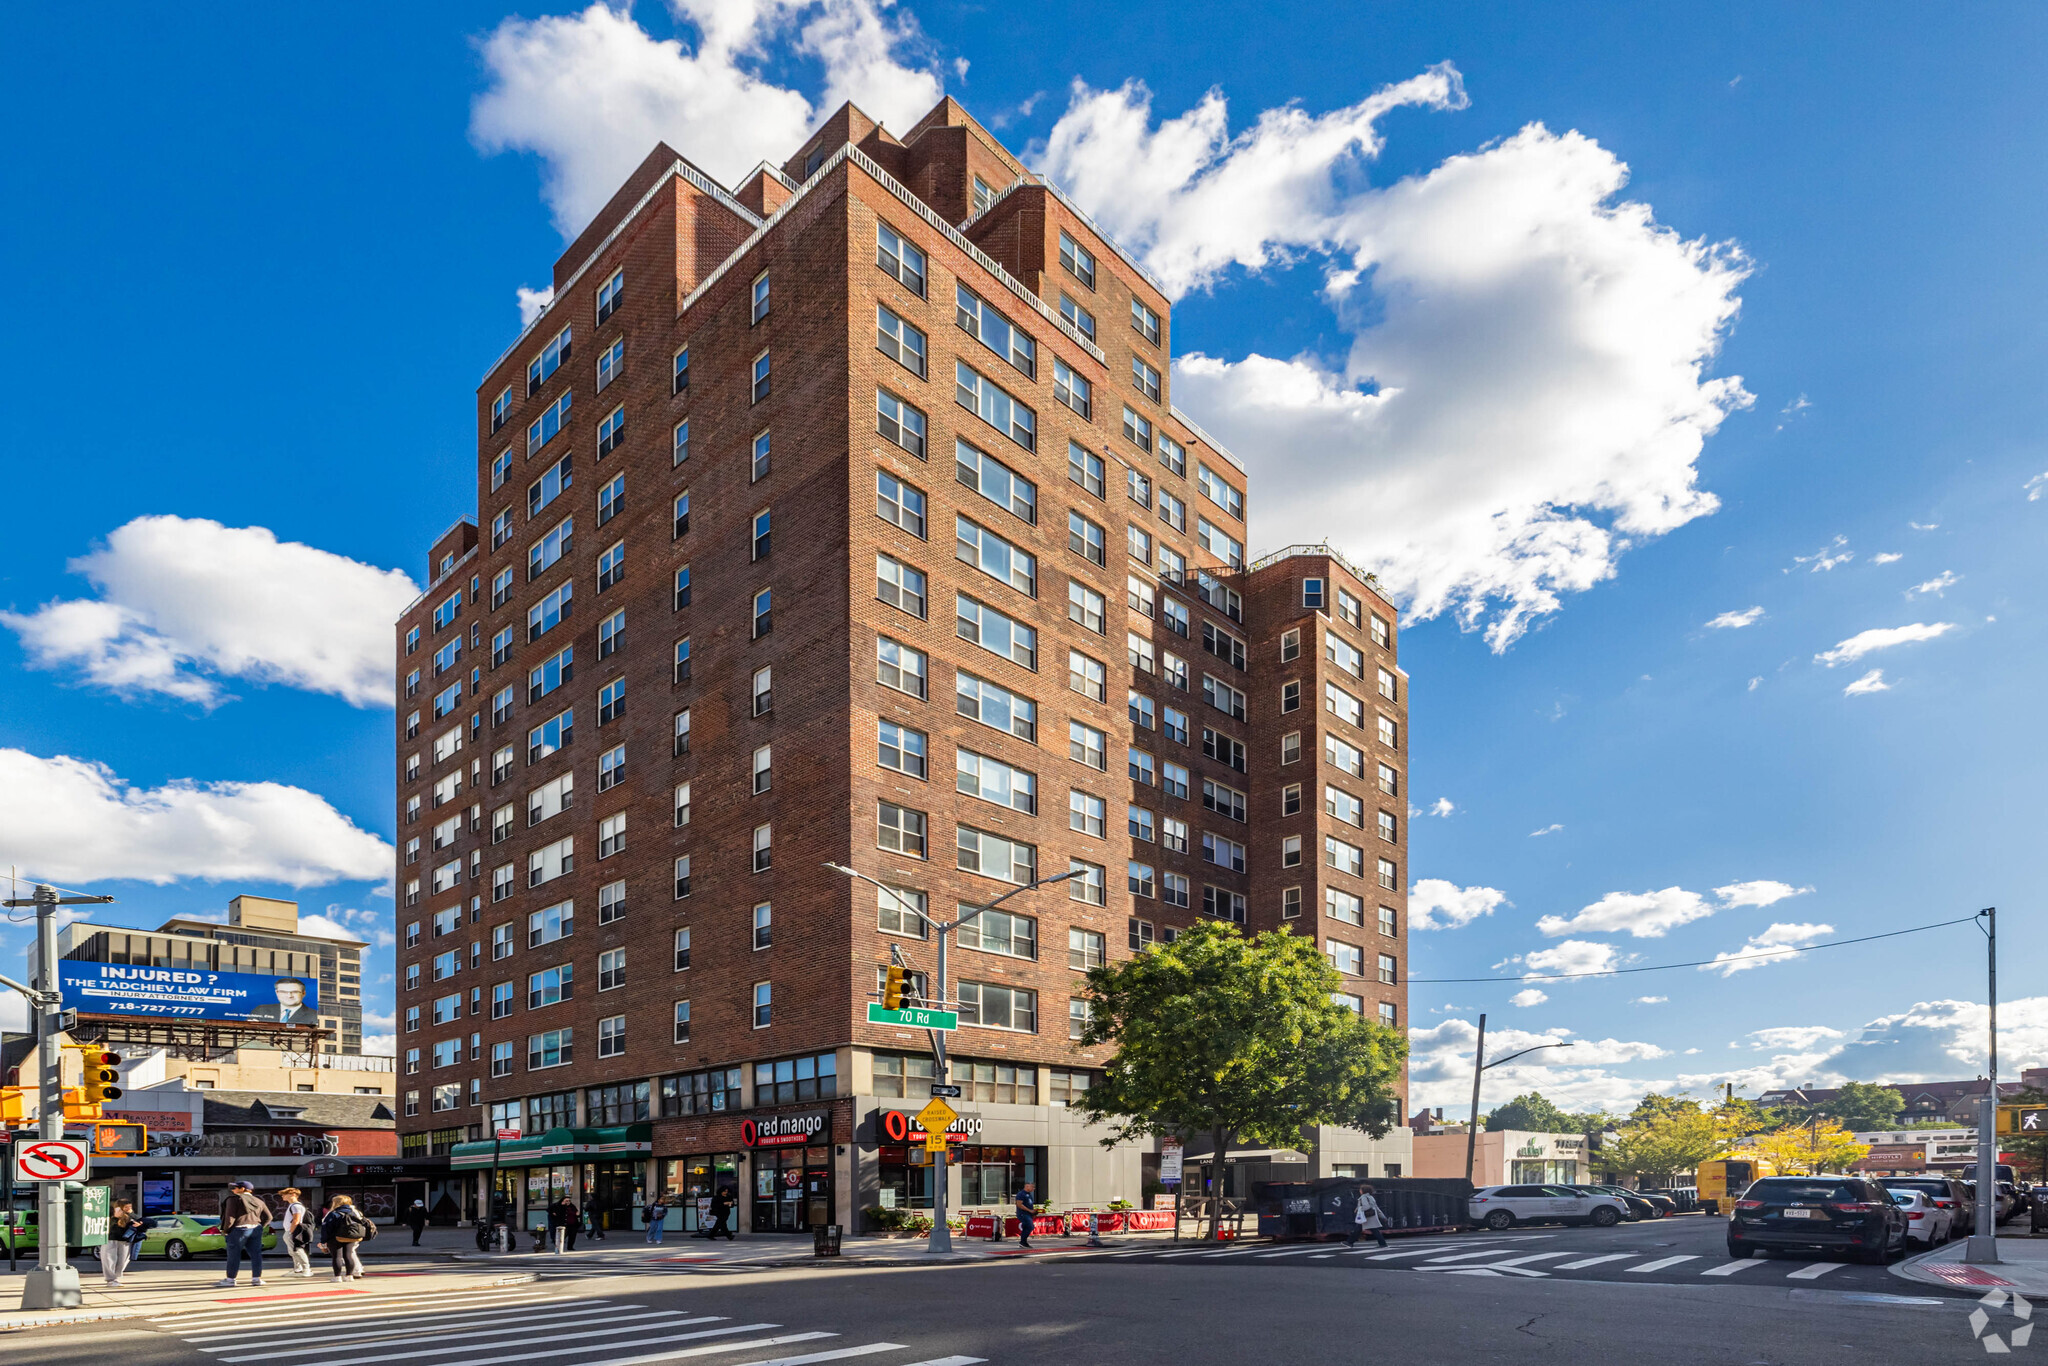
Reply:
x=1323, y=1208
x=1285, y=1209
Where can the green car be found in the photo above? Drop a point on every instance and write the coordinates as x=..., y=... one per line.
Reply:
x=182, y=1236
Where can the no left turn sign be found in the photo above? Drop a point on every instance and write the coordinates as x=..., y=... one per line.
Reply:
x=49, y=1159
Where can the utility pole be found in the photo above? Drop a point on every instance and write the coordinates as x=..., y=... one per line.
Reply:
x=1478, y=1069
x=1983, y=1245
x=54, y=1283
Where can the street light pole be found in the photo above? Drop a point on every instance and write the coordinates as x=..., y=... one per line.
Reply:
x=54, y=1282
x=942, y=1234
x=1983, y=1245
x=1479, y=1069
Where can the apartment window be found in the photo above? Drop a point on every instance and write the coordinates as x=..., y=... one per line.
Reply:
x=680, y=373
x=547, y=864
x=764, y=617
x=992, y=780
x=979, y=699
x=899, y=503
x=1223, y=645
x=1087, y=745
x=980, y=319
x=550, y=611
x=1145, y=379
x=1220, y=543
x=1223, y=904
x=1140, y=824
x=1389, y=827
x=758, y=470
x=1090, y=883
x=610, y=364
x=1084, y=467
x=991, y=855
x=1344, y=806
x=897, y=584
x=680, y=450
x=555, y=1048
x=548, y=425
x=995, y=481
x=1388, y=973
x=501, y=408
x=1085, y=949
x=608, y=295
x=989, y=1006
x=1388, y=1014
x=611, y=701
x=1390, y=733
x=550, y=923
x=1087, y=676
x=550, y=986
x=764, y=690
x=1290, y=800
x=1224, y=853
x=501, y=532
x=994, y=405
x=1345, y=656
x=1223, y=697
x=1078, y=260
x=1071, y=389
x=1348, y=758
x=1290, y=696
x=764, y=768
x=1345, y=858
x=1388, y=687
x=1141, y=767
x=682, y=805
x=611, y=969
x=682, y=875
x=682, y=945
x=1226, y=801
x=900, y=910
x=1173, y=890
x=1223, y=495
x=896, y=664
x=1173, y=455
x=682, y=1021
x=900, y=259
x=1343, y=906
x=541, y=556
x=1143, y=710
x=556, y=733
x=980, y=196
x=1137, y=428
x=548, y=361
x=1290, y=851
x=1138, y=545
x=682, y=515
x=1086, y=607
x=759, y=306
x=1343, y=705
x=1087, y=813
x=997, y=632
x=1174, y=781
x=504, y=881
x=1223, y=749
x=902, y=749
x=1389, y=876
x=764, y=848
x=1138, y=879
x=550, y=674
x=1081, y=318
x=1346, y=958
x=764, y=1005
x=994, y=556
x=1382, y=633
x=1389, y=922
x=682, y=730
x=899, y=341
x=759, y=389
x=611, y=835
x=1173, y=614
x=899, y=422
x=761, y=530
x=1145, y=322
x=900, y=830
x=1015, y=936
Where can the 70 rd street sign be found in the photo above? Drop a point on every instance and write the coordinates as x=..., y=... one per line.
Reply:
x=913, y=1017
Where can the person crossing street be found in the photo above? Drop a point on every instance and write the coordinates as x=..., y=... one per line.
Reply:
x=655, y=1214
x=298, y=1231
x=1365, y=1216
x=1027, y=1214
x=416, y=1220
x=243, y=1218
x=123, y=1236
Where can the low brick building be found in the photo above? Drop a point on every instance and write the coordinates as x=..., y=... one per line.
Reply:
x=801, y=514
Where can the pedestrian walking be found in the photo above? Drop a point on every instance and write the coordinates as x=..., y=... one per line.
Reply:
x=243, y=1219
x=564, y=1215
x=656, y=1214
x=1027, y=1214
x=343, y=1233
x=298, y=1231
x=124, y=1235
x=1365, y=1215
x=416, y=1220
x=593, y=1222
x=721, y=1210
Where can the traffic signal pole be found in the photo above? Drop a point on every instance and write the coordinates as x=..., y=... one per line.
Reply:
x=54, y=1283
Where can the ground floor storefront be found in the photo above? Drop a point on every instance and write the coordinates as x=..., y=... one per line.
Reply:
x=382, y=1187
x=602, y=1171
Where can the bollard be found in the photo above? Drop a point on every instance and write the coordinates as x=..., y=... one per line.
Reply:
x=1094, y=1229
x=561, y=1237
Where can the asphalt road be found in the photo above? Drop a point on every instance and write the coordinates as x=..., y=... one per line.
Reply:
x=1060, y=1311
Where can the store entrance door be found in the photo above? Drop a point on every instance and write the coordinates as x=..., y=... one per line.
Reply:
x=792, y=1189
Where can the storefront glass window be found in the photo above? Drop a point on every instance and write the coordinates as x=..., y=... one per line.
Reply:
x=992, y=1176
x=687, y=1183
x=906, y=1177
x=898, y=1074
x=792, y=1188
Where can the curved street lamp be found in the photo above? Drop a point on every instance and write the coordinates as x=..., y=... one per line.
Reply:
x=1479, y=1069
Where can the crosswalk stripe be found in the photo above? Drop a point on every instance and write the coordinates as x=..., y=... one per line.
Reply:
x=228, y=1318
x=1464, y=1257
x=460, y=1344
x=1660, y=1264
x=1532, y=1257
x=867, y=1349
x=1426, y=1250
x=685, y=1352
x=1729, y=1268
x=951, y=1361
x=1813, y=1271
x=1290, y=1251
x=378, y=1327
x=474, y=1336
x=1594, y=1261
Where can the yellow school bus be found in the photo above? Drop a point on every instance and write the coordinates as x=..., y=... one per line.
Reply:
x=1723, y=1180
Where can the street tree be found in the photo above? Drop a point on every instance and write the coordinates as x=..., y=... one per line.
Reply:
x=1532, y=1114
x=1862, y=1106
x=1664, y=1141
x=1235, y=1036
x=1821, y=1145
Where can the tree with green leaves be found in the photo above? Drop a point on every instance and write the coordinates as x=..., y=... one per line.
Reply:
x=1862, y=1106
x=1235, y=1036
x=1821, y=1145
x=1664, y=1140
x=1533, y=1114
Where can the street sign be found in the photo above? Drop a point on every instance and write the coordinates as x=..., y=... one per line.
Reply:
x=937, y=1117
x=49, y=1159
x=914, y=1017
x=945, y=1090
x=1169, y=1164
x=509, y=1134
x=935, y=1142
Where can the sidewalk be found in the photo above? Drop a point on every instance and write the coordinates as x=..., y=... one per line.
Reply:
x=154, y=1289
x=2022, y=1267
x=622, y=1252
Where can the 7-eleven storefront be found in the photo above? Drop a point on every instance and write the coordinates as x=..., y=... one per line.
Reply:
x=603, y=1170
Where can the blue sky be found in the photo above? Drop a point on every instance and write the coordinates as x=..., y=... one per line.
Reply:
x=271, y=256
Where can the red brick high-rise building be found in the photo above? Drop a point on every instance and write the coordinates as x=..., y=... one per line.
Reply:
x=845, y=516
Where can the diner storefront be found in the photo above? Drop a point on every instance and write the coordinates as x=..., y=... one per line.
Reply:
x=604, y=1171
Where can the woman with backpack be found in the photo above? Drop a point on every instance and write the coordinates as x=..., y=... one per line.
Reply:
x=344, y=1230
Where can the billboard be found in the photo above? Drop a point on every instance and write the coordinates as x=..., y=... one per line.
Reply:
x=187, y=993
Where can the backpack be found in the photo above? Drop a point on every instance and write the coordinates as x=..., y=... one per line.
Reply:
x=348, y=1223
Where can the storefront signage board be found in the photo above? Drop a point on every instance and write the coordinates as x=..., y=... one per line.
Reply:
x=786, y=1131
x=914, y=1018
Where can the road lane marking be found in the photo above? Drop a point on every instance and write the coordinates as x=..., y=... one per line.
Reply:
x=868, y=1349
x=1593, y=1261
x=1524, y=1261
x=1661, y=1263
x=1813, y=1271
x=1290, y=1252
x=435, y=1323
x=1730, y=1268
x=1466, y=1256
x=586, y=1328
x=648, y=1341
x=230, y=1318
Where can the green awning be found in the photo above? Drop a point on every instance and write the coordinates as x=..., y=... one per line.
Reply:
x=557, y=1146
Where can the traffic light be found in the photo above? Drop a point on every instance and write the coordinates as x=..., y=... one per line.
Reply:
x=892, y=988
x=13, y=1105
x=76, y=1107
x=100, y=1076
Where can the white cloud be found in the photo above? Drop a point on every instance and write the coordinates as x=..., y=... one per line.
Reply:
x=1443, y=806
x=1870, y=682
x=592, y=93
x=1550, y=829
x=1524, y=394
x=1435, y=904
x=1576, y=1078
x=1924, y=526
x=1881, y=638
x=1800, y=1038
x=1646, y=915
x=1774, y=945
x=2036, y=487
x=1763, y=893
x=70, y=821
x=533, y=303
x=1573, y=957
x=1528, y=996
x=1650, y=1000
x=380, y=1045
x=1937, y=585
x=1886, y=557
x=184, y=601
x=1756, y=682
x=1827, y=557
x=1797, y=407
x=1735, y=621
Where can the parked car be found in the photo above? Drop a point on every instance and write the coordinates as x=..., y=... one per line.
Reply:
x=1639, y=1206
x=183, y=1236
x=1685, y=1199
x=26, y=1233
x=1951, y=1195
x=1831, y=1213
x=1664, y=1203
x=1500, y=1207
x=1928, y=1222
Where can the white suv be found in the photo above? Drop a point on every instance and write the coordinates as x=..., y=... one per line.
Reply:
x=1500, y=1207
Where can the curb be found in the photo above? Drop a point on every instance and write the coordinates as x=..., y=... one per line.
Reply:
x=59, y=1317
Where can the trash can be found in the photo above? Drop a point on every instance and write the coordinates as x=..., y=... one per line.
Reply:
x=825, y=1240
x=2037, y=1213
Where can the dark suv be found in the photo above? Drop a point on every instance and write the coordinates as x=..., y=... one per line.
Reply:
x=1950, y=1195
x=1830, y=1213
